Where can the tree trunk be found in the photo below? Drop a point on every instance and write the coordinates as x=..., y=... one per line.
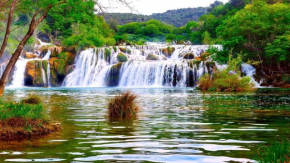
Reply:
x=9, y=22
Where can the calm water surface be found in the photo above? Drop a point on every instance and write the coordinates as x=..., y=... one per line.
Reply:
x=174, y=125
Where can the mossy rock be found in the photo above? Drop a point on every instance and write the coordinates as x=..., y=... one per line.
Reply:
x=59, y=65
x=168, y=51
x=191, y=63
x=122, y=57
x=33, y=73
x=125, y=50
x=68, y=57
x=108, y=54
x=152, y=57
x=188, y=56
x=114, y=75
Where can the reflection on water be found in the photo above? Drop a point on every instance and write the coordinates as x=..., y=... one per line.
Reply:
x=174, y=125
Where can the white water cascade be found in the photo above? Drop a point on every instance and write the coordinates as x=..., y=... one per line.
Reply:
x=250, y=71
x=19, y=71
x=93, y=67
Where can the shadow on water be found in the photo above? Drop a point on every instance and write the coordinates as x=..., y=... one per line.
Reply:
x=174, y=125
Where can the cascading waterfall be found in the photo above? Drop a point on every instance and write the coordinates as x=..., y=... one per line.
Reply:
x=18, y=75
x=19, y=71
x=94, y=69
x=250, y=71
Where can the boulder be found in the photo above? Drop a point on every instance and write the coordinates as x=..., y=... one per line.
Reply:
x=168, y=51
x=122, y=57
x=152, y=57
x=125, y=50
x=188, y=56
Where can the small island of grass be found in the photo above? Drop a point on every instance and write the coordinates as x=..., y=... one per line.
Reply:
x=24, y=120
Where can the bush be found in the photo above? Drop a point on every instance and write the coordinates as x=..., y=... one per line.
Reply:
x=228, y=79
x=123, y=106
x=278, y=152
x=23, y=110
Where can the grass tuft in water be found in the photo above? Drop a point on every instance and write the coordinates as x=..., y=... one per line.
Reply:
x=32, y=99
x=278, y=152
x=123, y=106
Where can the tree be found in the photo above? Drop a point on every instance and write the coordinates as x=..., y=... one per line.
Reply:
x=39, y=11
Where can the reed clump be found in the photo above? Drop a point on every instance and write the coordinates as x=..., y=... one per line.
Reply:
x=32, y=99
x=277, y=152
x=123, y=106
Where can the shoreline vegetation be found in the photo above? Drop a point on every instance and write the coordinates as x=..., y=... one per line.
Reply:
x=228, y=79
x=24, y=120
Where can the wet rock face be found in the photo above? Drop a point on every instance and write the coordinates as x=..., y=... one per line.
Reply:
x=114, y=75
x=34, y=73
x=188, y=56
x=60, y=66
x=43, y=37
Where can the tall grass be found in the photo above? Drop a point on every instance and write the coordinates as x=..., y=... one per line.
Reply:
x=22, y=110
x=123, y=106
x=278, y=152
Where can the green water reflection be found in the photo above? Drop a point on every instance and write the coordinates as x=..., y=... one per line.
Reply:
x=174, y=125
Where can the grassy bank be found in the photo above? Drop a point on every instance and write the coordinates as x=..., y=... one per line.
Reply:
x=25, y=119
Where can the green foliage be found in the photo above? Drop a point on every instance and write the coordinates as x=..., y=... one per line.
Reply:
x=152, y=30
x=257, y=28
x=90, y=35
x=22, y=110
x=277, y=152
x=279, y=49
x=177, y=17
x=32, y=100
x=228, y=79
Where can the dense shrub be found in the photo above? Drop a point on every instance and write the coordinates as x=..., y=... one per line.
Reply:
x=228, y=79
x=123, y=106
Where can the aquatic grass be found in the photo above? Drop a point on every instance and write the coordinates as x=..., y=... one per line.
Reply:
x=277, y=152
x=22, y=110
x=123, y=106
x=32, y=99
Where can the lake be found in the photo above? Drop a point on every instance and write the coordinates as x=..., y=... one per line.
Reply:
x=174, y=125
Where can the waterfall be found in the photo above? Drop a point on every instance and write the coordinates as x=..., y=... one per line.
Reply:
x=156, y=74
x=94, y=69
x=18, y=74
x=88, y=66
x=250, y=71
x=48, y=74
